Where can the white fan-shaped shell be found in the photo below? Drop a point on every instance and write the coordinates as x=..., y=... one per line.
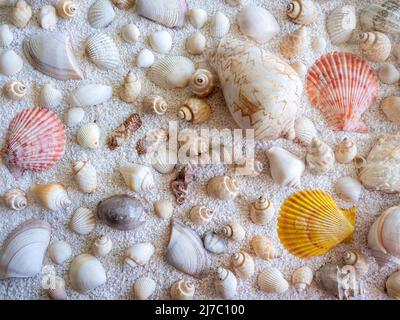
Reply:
x=340, y=24
x=271, y=280
x=196, y=43
x=138, y=177
x=86, y=273
x=219, y=25
x=161, y=41
x=85, y=175
x=103, y=52
x=50, y=96
x=172, y=72
x=225, y=283
x=102, y=246
x=89, y=95
x=59, y=252
x=144, y=288
x=88, y=136
x=101, y=14
x=6, y=36
x=73, y=116
x=10, y=63
x=145, y=59
x=139, y=254
x=83, y=221
x=198, y=17
x=48, y=17
x=130, y=33
x=163, y=208
x=305, y=130
x=348, y=189
x=51, y=196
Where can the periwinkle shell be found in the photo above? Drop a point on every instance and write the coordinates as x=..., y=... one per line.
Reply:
x=121, y=212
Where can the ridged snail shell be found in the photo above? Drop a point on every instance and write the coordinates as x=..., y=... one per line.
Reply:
x=264, y=248
x=15, y=199
x=391, y=108
x=234, y=231
x=196, y=43
x=358, y=261
x=67, y=9
x=200, y=214
x=348, y=189
x=88, y=136
x=138, y=177
x=375, y=46
x=320, y=157
x=393, y=285
x=102, y=246
x=302, y=277
x=130, y=33
x=345, y=151
x=83, y=221
x=225, y=283
x=144, y=288
x=223, y=188
x=271, y=280
x=59, y=252
x=182, y=290
x=163, y=208
x=139, y=254
x=50, y=96
x=15, y=90
x=243, y=265
x=131, y=88
x=51, y=196
x=56, y=291
x=21, y=14
x=302, y=11
x=152, y=141
x=202, y=83
x=198, y=17
x=85, y=176
x=161, y=41
x=155, y=104
x=262, y=211
x=388, y=74
x=295, y=44
x=48, y=17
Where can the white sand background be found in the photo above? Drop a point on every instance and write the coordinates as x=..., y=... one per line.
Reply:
x=120, y=278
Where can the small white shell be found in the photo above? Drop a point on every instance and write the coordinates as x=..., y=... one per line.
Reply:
x=320, y=157
x=51, y=196
x=358, y=261
x=50, y=96
x=202, y=83
x=144, y=288
x=263, y=247
x=101, y=14
x=348, y=189
x=234, y=231
x=196, y=43
x=90, y=95
x=341, y=23
x=391, y=108
x=85, y=176
x=302, y=277
x=163, y=160
x=15, y=90
x=301, y=69
x=59, y=252
x=223, y=188
x=161, y=41
x=219, y=25
x=145, y=59
x=163, y=208
x=83, y=221
x=225, y=283
x=73, y=116
x=393, y=285
x=345, y=151
x=198, y=17
x=200, y=214
x=67, y=9
x=305, y=130
x=262, y=211
x=130, y=33
x=15, y=199
x=271, y=280
x=88, y=136
x=56, y=290
x=103, y=52
x=131, y=88
x=243, y=265
x=48, y=17
x=102, y=246
x=388, y=74
x=21, y=14
x=139, y=254
x=182, y=290
x=86, y=273
x=10, y=63
x=138, y=177
x=6, y=36
x=318, y=44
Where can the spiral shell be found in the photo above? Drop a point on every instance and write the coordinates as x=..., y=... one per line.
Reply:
x=200, y=214
x=59, y=252
x=234, y=231
x=262, y=211
x=139, y=254
x=102, y=246
x=163, y=208
x=320, y=157
x=214, y=243
x=263, y=247
x=85, y=175
x=155, y=104
x=88, y=136
x=15, y=90
x=182, y=290
x=223, y=188
x=123, y=4
x=131, y=88
x=21, y=14
x=345, y=151
x=302, y=11
x=302, y=277
x=243, y=265
x=124, y=131
x=144, y=288
x=194, y=110
x=83, y=221
x=50, y=96
x=358, y=261
x=138, y=177
x=202, y=83
x=271, y=280
x=51, y=196
x=375, y=46
x=225, y=283
x=15, y=199
x=67, y=9
x=393, y=285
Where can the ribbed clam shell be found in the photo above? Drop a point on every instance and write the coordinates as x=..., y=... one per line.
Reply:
x=223, y=188
x=219, y=25
x=50, y=96
x=48, y=17
x=172, y=72
x=73, y=116
x=89, y=95
x=15, y=90
x=6, y=36
x=83, y=221
x=202, y=83
x=36, y=141
x=348, y=189
x=295, y=43
x=23, y=250
x=102, y=51
x=320, y=157
x=305, y=130
x=85, y=175
x=213, y=243
x=302, y=277
x=271, y=280
x=340, y=24
x=51, y=196
x=182, y=290
x=101, y=14
x=139, y=254
x=161, y=41
x=51, y=53
x=164, y=160
x=170, y=13
x=383, y=17
x=21, y=13
x=144, y=288
x=15, y=199
x=138, y=177
x=225, y=283
x=67, y=9
x=10, y=63
x=198, y=17
x=88, y=136
x=102, y=246
x=86, y=273
x=59, y=252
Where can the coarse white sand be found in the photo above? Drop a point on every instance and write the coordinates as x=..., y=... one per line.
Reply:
x=120, y=278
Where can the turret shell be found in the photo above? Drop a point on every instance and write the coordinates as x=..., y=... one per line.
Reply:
x=262, y=211
x=243, y=265
x=102, y=246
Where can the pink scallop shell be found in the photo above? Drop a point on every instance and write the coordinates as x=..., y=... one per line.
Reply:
x=342, y=86
x=36, y=141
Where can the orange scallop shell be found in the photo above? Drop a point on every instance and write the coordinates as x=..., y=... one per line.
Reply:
x=342, y=86
x=36, y=141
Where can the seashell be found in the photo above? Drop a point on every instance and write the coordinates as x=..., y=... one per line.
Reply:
x=10, y=63
x=139, y=254
x=194, y=144
x=103, y=52
x=121, y=212
x=67, y=9
x=202, y=83
x=145, y=59
x=15, y=199
x=243, y=265
x=23, y=250
x=88, y=136
x=219, y=25
x=138, y=177
x=223, y=188
x=50, y=96
x=302, y=12
x=85, y=176
x=181, y=185
x=51, y=196
x=341, y=23
x=131, y=88
x=101, y=14
x=74, y=116
x=306, y=237
x=86, y=273
x=305, y=130
x=225, y=283
x=121, y=135
x=15, y=90
x=257, y=23
x=123, y=4
x=161, y=41
x=271, y=280
x=51, y=54
x=213, y=243
x=22, y=152
x=286, y=168
x=393, y=285
x=381, y=17
x=57, y=290
x=318, y=44
x=295, y=44
x=375, y=46
x=348, y=189
x=262, y=211
x=194, y=110
x=383, y=237
x=300, y=68
x=243, y=68
x=163, y=208
x=21, y=14
x=198, y=17
x=185, y=251
x=6, y=36
x=152, y=141
x=155, y=104
x=340, y=78
x=358, y=261
x=320, y=157
x=90, y=95
x=144, y=288
x=388, y=74
x=48, y=17
x=83, y=221
x=196, y=43
x=172, y=72
x=302, y=278
x=391, y=108
x=169, y=13
x=164, y=160
x=102, y=246
x=248, y=167
x=345, y=151
x=130, y=33
x=264, y=248
x=59, y=252
x=182, y=290
x=234, y=231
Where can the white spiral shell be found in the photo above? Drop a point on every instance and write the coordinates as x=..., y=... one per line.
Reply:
x=138, y=177
x=51, y=196
x=15, y=90
x=102, y=246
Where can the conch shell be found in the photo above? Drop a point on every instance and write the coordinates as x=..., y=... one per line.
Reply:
x=320, y=157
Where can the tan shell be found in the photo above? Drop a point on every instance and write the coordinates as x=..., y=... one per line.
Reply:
x=15, y=199
x=51, y=196
x=21, y=14
x=192, y=142
x=320, y=157
x=263, y=247
x=302, y=11
x=393, y=285
x=194, y=110
x=248, y=167
x=262, y=211
x=182, y=290
x=200, y=214
x=388, y=74
x=223, y=188
x=163, y=208
x=15, y=90
x=271, y=280
x=102, y=246
x=295, y=44
x=358, y=261
x=155, y=104
x=202, y=83
x=131, y=87
x=391, y=108
x=302, y=277
x=375, y=46
x=67, y=9
x=345, y=151
x=123, y=4
x=243, y=265
x=234, y=231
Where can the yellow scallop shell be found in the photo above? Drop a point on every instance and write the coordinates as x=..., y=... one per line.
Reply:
x=310, y=224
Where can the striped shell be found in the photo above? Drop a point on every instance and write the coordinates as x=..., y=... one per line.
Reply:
x=50, y=97
x=36, y=141
x=340, y=24
x=52, y=196
x=202, y=83
x=182, y=290
x=375, y=46
x=143, y=288
x=200, y=214
x=381, y=17
x=15, y=90
x=83, y=221
x=194, y=110
x=305, y=130
x=271, y=280
x=102, y=51
x=343, y=87
x=101, y=14
x=15, y=199
x=170, y=13
x=219, y=25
